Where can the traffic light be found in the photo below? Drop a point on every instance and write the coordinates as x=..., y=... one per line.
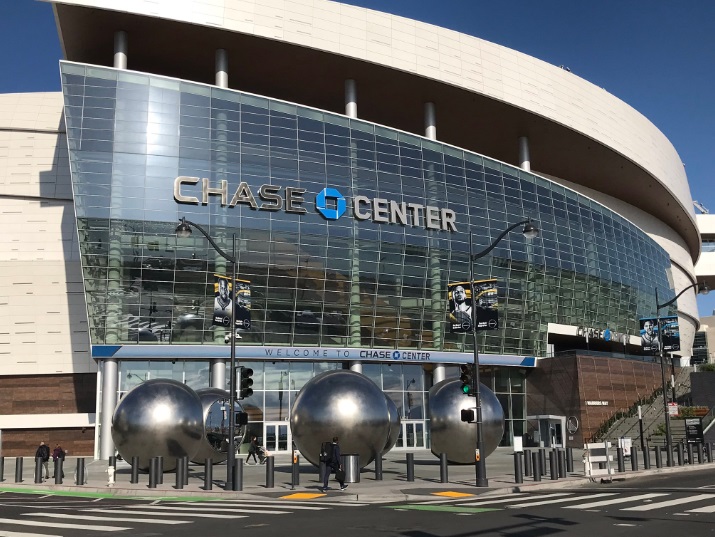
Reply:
x=245, y=382
x=241, y=418
x=467, y=415
x=466, y=377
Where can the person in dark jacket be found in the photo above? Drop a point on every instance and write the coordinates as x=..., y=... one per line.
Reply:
x=252, y=450
x=58, y=454
x=43, y=452
x=334, y=465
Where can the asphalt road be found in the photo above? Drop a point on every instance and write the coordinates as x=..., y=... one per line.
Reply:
x=657, y=506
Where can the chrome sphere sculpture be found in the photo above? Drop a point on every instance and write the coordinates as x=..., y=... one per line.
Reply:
x=215, y=402
x=160, y=417
x=450, y=434
x=345, y=404
x=395, y=423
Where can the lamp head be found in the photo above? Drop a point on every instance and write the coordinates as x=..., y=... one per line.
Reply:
x=703, y=288
x=530, y=231
x=183, y=230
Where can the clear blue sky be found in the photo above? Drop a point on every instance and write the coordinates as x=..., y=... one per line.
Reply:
x=656, y=55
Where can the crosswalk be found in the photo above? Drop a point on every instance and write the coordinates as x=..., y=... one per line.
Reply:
x=675, y=503
x=54, y=519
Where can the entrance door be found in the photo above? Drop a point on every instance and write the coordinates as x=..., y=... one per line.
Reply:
x=276, y=437
x=412, y=435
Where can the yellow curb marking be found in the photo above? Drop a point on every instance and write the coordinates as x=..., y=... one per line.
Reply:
x=302, y=496
x=452, y=494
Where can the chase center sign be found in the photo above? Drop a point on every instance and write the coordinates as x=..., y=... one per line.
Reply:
x=329, y=202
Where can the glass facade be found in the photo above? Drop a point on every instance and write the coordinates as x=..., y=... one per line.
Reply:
x=315, y=280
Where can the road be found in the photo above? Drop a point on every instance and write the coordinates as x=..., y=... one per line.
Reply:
x=656, y=506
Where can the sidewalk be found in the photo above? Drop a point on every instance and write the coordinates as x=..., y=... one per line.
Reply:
x=393, y=486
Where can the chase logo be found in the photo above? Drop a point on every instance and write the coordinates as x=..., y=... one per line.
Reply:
x=337, y=199
x=396, y=355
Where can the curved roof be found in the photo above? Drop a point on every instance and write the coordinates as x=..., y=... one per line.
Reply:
x=486, y=95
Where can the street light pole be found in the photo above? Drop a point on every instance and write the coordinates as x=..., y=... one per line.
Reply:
x=184, y=230
x=480, y=466
x=702, y=289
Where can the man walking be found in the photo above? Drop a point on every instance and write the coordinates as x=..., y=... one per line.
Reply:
x=334, y=464
x=43, y=452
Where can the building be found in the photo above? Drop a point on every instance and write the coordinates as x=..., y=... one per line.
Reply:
x=352, y=154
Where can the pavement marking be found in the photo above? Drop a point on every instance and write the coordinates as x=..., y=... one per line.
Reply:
x=23, y=534
x=266, y=505
x=441, y=508
x=303, y=496
x=75, y=516
x=453, y=494
x=506, y=500
x=668, y=503
x=452, y=500
x=139, y=512
x=560, y=500
x=615, y=501
x=62, y=525
x=287, y=503
x=705, y=509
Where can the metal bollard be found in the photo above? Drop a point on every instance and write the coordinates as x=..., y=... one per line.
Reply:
x=553, y=465
x=81, y=478
x=2, y=469
x=689, y=449
x=700, y=452
x=59, y=471
x=160, y=468
x=208, y=474
x=295, y=470
x=634, y=459
x=180, y=474
x=709, y=452
x=322, y=468
x=378, y=467
x=569, y=460
x=237, y=474
x=518, y=467
x=152, y=473
x=38, y=469
x=410, y=467
x=542, y=454
x=536, y=459
x=621, y=460
x=112, y=461
x=135, y=470
x=185, y=460
x=561, y=454
x=443, y=474
x=18, y=470
x=271, y=472
x=658, y=457
x=527, y=463
x=646, y=456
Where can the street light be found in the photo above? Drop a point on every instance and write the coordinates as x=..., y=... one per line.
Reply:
x=529, y=231
x=703, y=289
x=183, y=230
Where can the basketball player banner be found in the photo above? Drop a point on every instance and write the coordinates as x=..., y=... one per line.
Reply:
x=226, y=297
x=461, y=303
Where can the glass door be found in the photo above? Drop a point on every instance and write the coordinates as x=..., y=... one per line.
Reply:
x=276, y=437
x=412, y=435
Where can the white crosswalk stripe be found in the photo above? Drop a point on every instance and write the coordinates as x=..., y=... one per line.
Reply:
x=670, y=503
x=195, y=509
x=75, y=516
x=614, y=501
x=62, y=525
x=508, y=500
x=23, y=534
x=140, y=511
x=558, y=500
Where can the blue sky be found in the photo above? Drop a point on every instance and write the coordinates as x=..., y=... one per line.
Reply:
x=656, y=55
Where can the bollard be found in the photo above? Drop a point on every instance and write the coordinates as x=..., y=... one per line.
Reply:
x=237, y=474
x=208, y=473
x=112, y=461
x=699, y=450
x=2, y=469
x=708, y=452
x=322, y=468
x=152, y=473
x=542, y=455
x=160, y=468
x=536, y=459
x=18, y=470
x=646, y=456
x=518, y=467
x=295, y=470
x=621, y=460
x=634, y=459
x=270, y=472
x=38, y=469
x=135, y=470
x=527, y=463
x=80, y=477
x=410, y=467
x=179, y=474
x=689, y=448
x=185, y=460
x=553, y=465
x=561, y=454
x=59, y=471
x=569, y=460
x=658, y=457
x=378, y=467
x=443, y=474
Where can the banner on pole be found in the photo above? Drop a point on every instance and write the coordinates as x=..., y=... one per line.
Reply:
x=226, y=297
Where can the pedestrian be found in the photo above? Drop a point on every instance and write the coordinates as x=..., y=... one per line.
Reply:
x=43, y=452
x=333, y=463
x=253, y=449
x=58, y=454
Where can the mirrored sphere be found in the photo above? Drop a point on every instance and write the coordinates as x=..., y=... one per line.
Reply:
x=345, y=404
x=393, y=432
x=215, y=404
x=450, y=434
x=160, y=417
